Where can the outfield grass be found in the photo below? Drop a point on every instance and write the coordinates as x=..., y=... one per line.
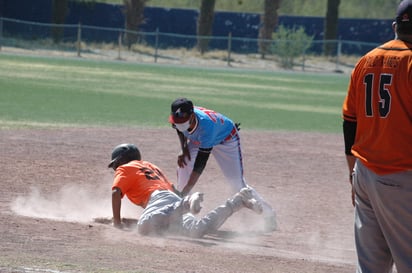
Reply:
x=38, y=91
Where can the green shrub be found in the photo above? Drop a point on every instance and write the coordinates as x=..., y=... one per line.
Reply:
x=290, y=43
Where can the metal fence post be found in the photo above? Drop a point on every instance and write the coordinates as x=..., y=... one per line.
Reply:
x=303, y=60
x=120, y=46
x=79, y=39
x=229, y=47
x=338, y=53
x=156, y=44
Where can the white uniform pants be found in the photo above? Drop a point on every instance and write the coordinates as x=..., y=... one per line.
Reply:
x=228, y=156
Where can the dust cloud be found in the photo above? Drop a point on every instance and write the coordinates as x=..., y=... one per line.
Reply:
x=72, y=203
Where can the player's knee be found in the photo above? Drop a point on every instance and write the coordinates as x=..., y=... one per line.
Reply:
x=198, y=230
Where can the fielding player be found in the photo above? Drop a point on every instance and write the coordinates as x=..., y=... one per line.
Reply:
x=203, y=132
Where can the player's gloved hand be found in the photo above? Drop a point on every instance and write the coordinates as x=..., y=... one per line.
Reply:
x=181, y=158
x=237, y=126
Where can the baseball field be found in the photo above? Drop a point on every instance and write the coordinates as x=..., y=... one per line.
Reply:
x=61, y=117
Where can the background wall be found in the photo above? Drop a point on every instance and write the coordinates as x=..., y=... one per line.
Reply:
x=183, y=21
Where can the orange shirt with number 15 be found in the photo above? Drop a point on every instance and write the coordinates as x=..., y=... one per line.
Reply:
x=379, y=99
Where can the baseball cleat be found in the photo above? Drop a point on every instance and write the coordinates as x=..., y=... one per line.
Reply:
x=270, y=224
x=249, y=201
x=194, y=202
x=244, y=198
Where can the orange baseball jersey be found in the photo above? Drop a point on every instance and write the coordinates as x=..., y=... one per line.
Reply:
x=379, y=99
x=138, y=180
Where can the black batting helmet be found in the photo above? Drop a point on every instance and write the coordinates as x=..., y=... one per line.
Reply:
x=123, y=154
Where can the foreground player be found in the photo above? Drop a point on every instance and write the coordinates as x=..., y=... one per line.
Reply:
x=146, y=186
x=377, y=129
x=203, y=132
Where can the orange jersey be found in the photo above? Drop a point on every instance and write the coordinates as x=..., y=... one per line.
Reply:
x=379, y=99
x=138, y=180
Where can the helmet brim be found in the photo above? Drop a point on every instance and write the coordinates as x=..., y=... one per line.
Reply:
x=111, y=163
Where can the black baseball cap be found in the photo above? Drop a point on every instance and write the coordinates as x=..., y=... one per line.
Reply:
x=181, y=110
x=404, y=12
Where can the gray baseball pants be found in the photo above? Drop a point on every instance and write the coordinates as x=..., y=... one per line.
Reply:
x=167, y=212
x=383, y=220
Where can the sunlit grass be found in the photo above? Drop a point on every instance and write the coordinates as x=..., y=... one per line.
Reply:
x=38, y=90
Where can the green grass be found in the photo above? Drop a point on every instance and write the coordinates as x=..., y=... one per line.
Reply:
x=39, y=91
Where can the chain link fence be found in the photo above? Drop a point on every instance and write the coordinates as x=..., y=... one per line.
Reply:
x=17, y=36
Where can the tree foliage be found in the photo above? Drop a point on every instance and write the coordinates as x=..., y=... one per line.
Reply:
x=290, y=43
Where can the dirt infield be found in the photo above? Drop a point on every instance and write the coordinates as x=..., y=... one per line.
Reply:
x=55, y=181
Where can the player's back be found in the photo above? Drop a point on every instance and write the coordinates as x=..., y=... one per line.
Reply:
x=139, y=179
x=382, y=107
x=212, y=129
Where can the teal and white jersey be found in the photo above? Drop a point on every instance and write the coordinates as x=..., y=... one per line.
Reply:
x=212, y=128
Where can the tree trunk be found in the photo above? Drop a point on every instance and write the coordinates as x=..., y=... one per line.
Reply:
x=331, y=27
x=268, y=22
x=59, y=11
x=133, y=10
x=205, y=24
x=2, y=7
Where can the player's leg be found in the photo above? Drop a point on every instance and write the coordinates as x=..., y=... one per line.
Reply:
x=209, y=223
x=229, y=158
x=392, y=204
x=269, y=213
x=163, y=209
x=213, y=220
x=373, y=251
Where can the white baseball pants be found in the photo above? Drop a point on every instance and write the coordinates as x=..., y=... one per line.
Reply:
x=228, y=156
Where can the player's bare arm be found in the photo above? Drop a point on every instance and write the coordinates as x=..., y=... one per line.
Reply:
x=194, y=177
x=350, y=159
x=181, y=158
x=349, y=133
x=200, y=164
x=116, y=206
